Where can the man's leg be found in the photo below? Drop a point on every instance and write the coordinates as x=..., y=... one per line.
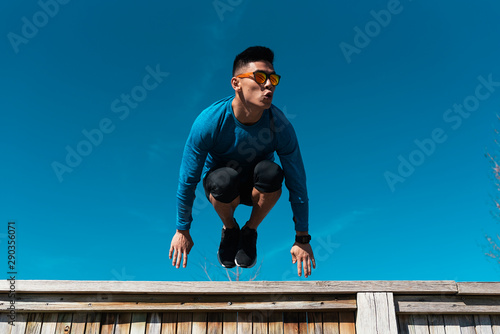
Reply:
x=221, y=188
x=268, y=178
x=225, y=210
x=262, y=205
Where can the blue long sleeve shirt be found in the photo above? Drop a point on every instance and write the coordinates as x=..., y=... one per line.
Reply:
x=217, y=138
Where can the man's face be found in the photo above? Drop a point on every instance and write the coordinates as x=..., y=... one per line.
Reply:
x=253, y=93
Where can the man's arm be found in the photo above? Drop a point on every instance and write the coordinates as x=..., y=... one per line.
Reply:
x=193, y=160
x=295, y=181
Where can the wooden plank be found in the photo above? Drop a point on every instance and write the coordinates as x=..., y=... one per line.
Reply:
x=214, y=322
x=244, y=322
x=259, y=322
x=467, y=324
x=479, y=288
x=452, y=324
x=419, y=324
x=169, y=323
x=376, y=313
x=275, y=322
x=436, y=324
x=49, y=323
x=331, y=323
x=64, y=323
x=290, y=322
x=184, y=322
x=151, y=303
x=442, y=304
x=19, y=324
x=385, y=313
x=302, y=322
x=315, y=322
x=78, y=323
x=483, y=324
x=138, y=324
x=123, y=323
x=34, y=324
x=495, y=323
x=199, y=323
x=93, y=323
x=4, y=323
x=347, y=323
x=108, y=324
x=366, y=322
x=153, y=323
x=230, y=322
x=404, y=324
x=234, y=287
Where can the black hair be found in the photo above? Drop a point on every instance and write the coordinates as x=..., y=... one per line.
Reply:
x=252, y=54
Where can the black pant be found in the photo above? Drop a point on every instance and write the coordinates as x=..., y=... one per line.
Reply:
x=225, y=183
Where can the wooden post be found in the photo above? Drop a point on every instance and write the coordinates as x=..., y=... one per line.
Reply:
x=376, y=313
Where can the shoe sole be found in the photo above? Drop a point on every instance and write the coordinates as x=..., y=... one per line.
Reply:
x=218, y=258
x=250, y=266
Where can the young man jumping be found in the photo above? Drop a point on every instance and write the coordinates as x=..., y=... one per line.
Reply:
x=231, y=147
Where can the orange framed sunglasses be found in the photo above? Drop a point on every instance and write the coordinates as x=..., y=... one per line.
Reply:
x=261, y=77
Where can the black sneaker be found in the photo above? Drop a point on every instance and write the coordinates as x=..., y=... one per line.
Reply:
x=247, y=248
x=228, y=246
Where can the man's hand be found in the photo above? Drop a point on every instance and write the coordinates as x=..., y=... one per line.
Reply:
x=181, y=245
x=302, y=254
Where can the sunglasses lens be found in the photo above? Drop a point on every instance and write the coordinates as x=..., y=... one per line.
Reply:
x=275, y=79
x=260, y=77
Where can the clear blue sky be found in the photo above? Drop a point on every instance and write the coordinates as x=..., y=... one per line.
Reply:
x=398, y=183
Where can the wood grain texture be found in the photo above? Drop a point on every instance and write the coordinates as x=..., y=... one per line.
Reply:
x=331, y=323
x=236, y=287
x=436, y=324
x=64, y=323
x=161, y=303
x=138, y=323
x=244, y=322
x=442, y=304
x=230, y=322
x=315, y=322
x=275, y=322
x=260, y=322
x=184, y=322
x=93, y=323
x=49, y=323
x=376, y=313
x=347, y=323
x=34, y=324
x=153, y=323
x=123, y=323
x=214, y=322
x=78, y=323
x=199, y=323
x=169, y=323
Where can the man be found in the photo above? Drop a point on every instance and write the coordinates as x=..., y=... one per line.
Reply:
x=231, y=146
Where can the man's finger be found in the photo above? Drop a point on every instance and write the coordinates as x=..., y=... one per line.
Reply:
x=179, y=257
x=314, y=263
x=184, y=263
x=294, y=259
x=308, y=265
x=299, y=267
x=174, y=256
x=170, y=252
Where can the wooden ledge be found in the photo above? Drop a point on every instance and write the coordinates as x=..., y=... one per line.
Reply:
x=229, y=288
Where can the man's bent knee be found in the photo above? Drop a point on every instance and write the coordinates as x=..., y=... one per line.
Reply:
x=222, y=184
x=268, y=176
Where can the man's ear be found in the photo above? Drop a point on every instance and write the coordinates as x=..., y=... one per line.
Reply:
x=235, y=83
